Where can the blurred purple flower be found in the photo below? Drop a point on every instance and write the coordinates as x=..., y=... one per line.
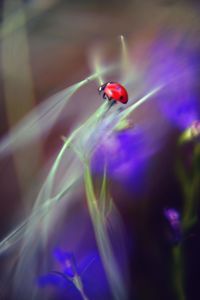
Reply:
x=174, y=65
x=172, y=217
x=127, y=154
x=120, y=151
x=67, y=261
x=89, y=274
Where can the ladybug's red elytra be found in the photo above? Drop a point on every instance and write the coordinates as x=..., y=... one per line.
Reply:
x=114, y=91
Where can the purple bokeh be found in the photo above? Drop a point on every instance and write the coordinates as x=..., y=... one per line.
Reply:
x=90, y=271
x=174, y=64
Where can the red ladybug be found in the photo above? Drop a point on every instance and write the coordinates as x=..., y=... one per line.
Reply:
x=114, y=92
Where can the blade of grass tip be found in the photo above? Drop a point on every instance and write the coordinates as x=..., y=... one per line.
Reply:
x=125, y=64
x=97, y=67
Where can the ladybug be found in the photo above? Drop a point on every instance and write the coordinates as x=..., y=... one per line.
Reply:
x=114, y=92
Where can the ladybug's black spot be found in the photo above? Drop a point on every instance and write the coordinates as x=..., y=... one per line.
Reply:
x=121, y=97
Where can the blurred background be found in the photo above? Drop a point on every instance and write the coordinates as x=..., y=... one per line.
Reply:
x=48, y=45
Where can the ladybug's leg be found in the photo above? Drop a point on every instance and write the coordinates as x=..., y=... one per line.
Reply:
x=105, y=96
x=111, y=103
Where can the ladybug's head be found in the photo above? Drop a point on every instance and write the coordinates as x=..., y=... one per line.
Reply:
x=102, y=87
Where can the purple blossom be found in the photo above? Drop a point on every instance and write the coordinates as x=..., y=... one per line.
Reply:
x=173, y=219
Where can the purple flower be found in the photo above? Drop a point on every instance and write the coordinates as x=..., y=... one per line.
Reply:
x=175, y=66
x=174, y=230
